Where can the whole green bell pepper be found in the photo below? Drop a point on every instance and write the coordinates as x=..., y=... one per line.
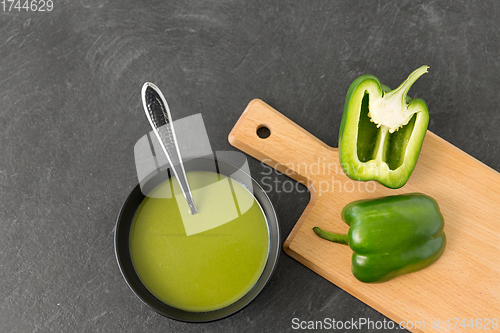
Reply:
x=391, y=236
x=382, y=131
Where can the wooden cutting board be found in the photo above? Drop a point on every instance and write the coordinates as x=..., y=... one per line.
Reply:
x=463, y=284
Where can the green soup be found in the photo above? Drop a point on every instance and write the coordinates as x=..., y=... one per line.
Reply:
x=209, y=269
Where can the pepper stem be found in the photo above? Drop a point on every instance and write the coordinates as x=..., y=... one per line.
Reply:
x=337, y=238
x=400, y=92
x=391, y=109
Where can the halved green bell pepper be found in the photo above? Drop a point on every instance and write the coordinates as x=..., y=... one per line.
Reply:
x=382, y=131
x=391, y=236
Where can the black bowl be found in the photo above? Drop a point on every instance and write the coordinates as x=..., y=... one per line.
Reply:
x=122, y=236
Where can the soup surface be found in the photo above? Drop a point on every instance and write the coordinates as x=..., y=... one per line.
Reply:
x=209, y=269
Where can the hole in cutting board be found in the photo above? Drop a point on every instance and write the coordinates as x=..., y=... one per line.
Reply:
x=263, y=132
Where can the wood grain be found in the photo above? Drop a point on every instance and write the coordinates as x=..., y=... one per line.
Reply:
x=463, y=283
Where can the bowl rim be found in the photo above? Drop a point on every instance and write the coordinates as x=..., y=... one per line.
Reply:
x=122, y=251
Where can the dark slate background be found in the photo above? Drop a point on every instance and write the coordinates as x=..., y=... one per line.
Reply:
x=70, y=114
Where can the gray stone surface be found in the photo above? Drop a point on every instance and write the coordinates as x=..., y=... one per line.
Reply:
x=70, y=114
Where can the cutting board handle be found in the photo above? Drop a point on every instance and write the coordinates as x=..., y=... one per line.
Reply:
x=288, y=148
